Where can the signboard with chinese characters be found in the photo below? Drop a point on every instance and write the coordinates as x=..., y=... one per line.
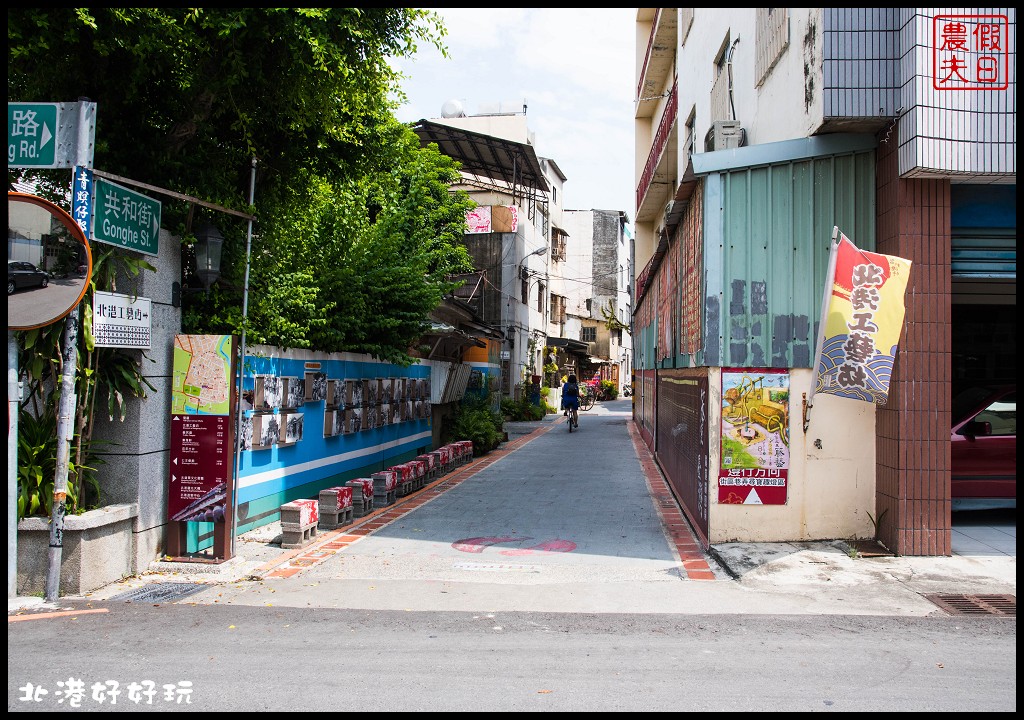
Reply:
x=202, y=428
x=47, y=135
x=125, y=218
x=121, y=320
x=755, y=437
x=971, y=52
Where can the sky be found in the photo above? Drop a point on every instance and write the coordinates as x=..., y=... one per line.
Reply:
x=574, y=70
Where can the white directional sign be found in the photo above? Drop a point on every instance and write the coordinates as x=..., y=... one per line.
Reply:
x=121, y=320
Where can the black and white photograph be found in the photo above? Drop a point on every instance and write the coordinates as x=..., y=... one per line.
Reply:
x=291, y=428
x=293, y=392
x=267, y=428
x=384, y=416
x=354, y=393
x=316, y=386
x=268, y=393
x=340, y=422
x=335, y=394
x=370, y=392
x=330, y=420
x=355, y=419
x=245, y=434
x=426, y=388
x=399, y=390
x=387, y=389
x=370, y=417
x=412, y=390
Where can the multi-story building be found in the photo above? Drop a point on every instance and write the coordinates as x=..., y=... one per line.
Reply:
x=758, y=132
x=544, y=286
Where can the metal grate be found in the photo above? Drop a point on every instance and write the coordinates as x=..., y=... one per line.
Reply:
x=1005, y=605
x=160, y=592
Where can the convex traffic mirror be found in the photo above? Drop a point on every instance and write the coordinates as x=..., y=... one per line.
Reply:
x=48, y=262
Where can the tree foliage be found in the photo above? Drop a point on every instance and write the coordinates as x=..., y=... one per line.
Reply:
x=355, y=229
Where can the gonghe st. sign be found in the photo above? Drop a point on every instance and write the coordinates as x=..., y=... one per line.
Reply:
x=125, y=218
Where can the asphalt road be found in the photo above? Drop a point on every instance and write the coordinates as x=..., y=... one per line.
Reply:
x=242, y=658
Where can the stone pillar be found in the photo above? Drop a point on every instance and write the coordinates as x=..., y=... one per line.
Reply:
x=136, y=452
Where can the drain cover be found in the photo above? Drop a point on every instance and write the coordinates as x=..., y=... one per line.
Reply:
x=976, y=604
x=160, y=592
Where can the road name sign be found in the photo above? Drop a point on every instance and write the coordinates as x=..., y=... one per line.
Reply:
x=125, y=218
x=47, y=135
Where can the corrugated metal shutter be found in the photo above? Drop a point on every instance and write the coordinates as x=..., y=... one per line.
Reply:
x=984, y=255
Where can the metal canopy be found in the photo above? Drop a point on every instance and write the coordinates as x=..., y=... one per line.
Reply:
x=514, y=165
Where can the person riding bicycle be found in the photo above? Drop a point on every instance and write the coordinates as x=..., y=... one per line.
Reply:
x=570, y=395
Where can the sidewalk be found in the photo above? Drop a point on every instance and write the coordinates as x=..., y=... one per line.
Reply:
x=514, y=531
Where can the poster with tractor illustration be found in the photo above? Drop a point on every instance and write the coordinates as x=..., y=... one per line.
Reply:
x=755, y=437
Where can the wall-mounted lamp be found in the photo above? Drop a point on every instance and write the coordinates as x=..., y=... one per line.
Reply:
x=209, y=243
x=538, y=251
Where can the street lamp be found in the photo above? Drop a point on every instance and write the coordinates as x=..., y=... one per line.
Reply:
x=209, y=243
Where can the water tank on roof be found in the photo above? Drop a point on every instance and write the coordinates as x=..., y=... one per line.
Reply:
x=452, y=109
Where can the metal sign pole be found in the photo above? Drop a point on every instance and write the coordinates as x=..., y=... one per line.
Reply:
x=68, y=399
x=241, y=368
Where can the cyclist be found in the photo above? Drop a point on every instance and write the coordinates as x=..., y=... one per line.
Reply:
x=571, y=401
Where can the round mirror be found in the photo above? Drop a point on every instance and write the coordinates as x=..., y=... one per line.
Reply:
x=48, y=262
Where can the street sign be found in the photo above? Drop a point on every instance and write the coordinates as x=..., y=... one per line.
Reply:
x=48, y=135
x=121, y=320
x=32, y=134
x=125, y=218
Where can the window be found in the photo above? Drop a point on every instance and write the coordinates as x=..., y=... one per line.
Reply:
x=691, y=131
x=526, y=291
x=558, y=237
x=540, y=297
x=771, y=38
x=554, y=195
x=558, y=305
x=588, y=334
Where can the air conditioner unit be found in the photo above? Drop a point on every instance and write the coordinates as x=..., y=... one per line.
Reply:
x=723, y=135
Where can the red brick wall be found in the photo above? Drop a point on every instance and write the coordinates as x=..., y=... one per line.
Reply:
x=912, y=430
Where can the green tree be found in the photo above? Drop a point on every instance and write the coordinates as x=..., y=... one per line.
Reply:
x=355, y=226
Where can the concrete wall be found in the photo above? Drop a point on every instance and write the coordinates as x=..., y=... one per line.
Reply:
x=97, y=550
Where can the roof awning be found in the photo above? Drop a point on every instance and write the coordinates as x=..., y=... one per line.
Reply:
x=574, y=346
x=514, y=164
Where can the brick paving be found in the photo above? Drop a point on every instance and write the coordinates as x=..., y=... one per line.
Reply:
x=676, y=528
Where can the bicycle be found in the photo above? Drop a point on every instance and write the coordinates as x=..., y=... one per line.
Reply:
x=574, y=418
x=586, y=401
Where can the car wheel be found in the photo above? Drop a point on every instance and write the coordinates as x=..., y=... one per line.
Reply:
x=10, y=287
x=44, y=282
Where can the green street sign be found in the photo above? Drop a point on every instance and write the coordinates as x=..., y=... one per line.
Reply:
x=125, y=218
x=32, y=135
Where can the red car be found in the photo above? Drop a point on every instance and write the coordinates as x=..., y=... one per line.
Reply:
x=983, y=448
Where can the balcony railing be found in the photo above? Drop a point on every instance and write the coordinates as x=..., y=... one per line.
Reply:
x=668, y=121
x=647, y=55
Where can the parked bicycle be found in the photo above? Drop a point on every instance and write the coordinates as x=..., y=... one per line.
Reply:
x=586, y=399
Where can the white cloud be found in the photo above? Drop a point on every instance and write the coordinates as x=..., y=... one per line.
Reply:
x=574, y=69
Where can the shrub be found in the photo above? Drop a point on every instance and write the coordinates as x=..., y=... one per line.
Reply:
x=474, y=420
x=523, y=409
